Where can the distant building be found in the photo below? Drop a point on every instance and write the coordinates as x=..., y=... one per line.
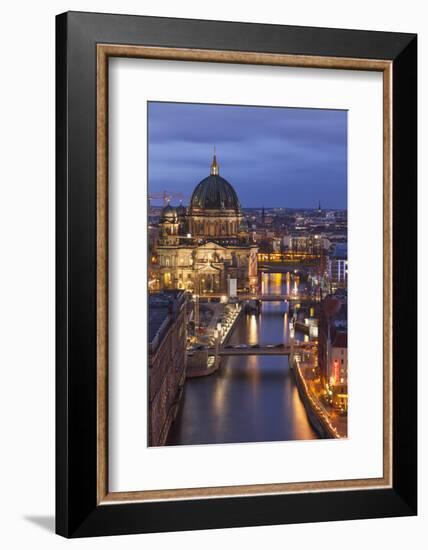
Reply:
x=276, y=244
x=338, y=266
x=200, y=247
x=263, y=234
x=287, y=242
x=308, y=244
x=167, y=361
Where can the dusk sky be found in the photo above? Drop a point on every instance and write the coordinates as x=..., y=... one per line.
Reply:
x=272, y=156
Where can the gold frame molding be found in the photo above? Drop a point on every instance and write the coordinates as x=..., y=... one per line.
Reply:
x=104, y=52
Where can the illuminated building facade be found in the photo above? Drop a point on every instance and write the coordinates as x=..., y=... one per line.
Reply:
x=202, y=246
x=333, y=349
x=338, y=267
x=339, y=369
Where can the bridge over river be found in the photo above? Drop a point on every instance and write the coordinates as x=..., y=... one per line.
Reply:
x=278, y=297
x=269, y=349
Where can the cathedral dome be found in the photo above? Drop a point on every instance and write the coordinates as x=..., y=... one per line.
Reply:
x=214, y=192
x=168, y=213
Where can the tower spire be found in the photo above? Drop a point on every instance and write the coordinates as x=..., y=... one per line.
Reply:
x=214, y=171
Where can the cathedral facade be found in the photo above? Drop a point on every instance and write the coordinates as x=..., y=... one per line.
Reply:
x=201, y=247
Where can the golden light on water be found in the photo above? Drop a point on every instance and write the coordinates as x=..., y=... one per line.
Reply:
x=254, y=373
x=253, y=330
x=286, y=327
x=301, y=428
x=276, y=283
x=219, y=395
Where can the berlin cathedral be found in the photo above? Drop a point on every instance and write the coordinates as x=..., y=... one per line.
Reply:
x=202, y=247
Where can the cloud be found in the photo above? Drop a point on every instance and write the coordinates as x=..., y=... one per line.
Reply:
x=272, y=156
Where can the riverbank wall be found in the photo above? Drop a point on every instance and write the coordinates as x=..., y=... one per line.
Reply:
x=313, y=411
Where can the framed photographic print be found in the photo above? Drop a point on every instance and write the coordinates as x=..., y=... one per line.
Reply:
x=236, y=241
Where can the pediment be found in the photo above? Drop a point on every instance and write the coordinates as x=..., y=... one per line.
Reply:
x=211, y=246
x=208, y=268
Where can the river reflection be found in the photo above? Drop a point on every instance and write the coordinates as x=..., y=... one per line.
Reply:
x=251, y=398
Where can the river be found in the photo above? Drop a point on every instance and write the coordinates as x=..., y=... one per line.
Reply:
x=250, y=398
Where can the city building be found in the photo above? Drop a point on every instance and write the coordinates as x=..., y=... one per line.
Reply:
x=153, y=235
x=339, y=369
x=310, y=244
x=203, y=246
x=333, y=349
x=338, y=267
x=167, y=360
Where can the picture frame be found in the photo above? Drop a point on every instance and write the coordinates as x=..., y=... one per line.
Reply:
x=84, y=44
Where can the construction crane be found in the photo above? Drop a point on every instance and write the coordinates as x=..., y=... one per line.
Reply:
x=166, y=196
